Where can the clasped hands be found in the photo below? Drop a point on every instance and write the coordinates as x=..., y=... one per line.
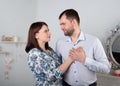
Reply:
x=77, y=54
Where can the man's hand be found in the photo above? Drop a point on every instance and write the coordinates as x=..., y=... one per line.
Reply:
x=77, y=54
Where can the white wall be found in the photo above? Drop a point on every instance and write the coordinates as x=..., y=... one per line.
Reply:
x=15, y=18
x=98, y=17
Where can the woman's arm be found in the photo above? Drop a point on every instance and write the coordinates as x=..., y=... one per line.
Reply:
x=64, y=66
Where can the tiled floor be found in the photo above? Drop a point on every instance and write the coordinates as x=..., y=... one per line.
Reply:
x=108, y=80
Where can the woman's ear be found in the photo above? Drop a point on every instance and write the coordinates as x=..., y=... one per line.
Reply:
x=36, y=36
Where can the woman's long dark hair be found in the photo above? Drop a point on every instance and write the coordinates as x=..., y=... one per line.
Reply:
x=32, y=41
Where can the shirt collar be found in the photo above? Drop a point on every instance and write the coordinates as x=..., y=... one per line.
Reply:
x=81, y=37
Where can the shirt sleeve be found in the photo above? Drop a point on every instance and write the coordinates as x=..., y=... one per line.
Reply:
x=42, y=67
x=99, y=62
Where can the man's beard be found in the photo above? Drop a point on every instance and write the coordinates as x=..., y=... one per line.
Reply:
x=69, y=32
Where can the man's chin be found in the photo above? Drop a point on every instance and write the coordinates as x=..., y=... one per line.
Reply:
x=65, y=34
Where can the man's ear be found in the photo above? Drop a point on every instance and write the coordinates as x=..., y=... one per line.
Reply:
x=74, y=22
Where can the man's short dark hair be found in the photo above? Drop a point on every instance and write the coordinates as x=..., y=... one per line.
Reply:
x=70, y=14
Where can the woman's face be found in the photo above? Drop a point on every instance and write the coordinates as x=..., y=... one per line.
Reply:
x=43, y=35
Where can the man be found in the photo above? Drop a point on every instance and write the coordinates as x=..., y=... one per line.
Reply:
x=86, y=49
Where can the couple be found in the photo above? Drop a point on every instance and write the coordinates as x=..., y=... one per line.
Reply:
x=77, y=58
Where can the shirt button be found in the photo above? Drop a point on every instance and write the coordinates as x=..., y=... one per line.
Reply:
x=74, y=71
x=76, y=81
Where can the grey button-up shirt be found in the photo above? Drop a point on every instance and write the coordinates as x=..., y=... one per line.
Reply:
x=83, y=74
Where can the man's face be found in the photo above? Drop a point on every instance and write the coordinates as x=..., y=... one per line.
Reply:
x=66, y=26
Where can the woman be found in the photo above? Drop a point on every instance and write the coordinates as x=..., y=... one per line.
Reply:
x=42, y=60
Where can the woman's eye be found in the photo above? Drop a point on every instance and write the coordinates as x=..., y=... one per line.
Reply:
x=46, y=31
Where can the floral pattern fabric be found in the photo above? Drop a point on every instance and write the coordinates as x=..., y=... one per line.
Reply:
x=44, y=66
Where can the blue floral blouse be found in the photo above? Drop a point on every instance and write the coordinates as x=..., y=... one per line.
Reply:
x=44, y=66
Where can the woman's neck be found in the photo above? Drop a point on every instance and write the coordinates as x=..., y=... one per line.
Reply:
x=42, y=45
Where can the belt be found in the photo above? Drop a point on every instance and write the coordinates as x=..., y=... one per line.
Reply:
x=93, y=84
x=66, y=84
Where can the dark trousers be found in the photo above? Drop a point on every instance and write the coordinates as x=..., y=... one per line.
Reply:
x=66, y=84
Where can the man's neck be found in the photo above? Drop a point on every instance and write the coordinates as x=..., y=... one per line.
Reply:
x=75, y=36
